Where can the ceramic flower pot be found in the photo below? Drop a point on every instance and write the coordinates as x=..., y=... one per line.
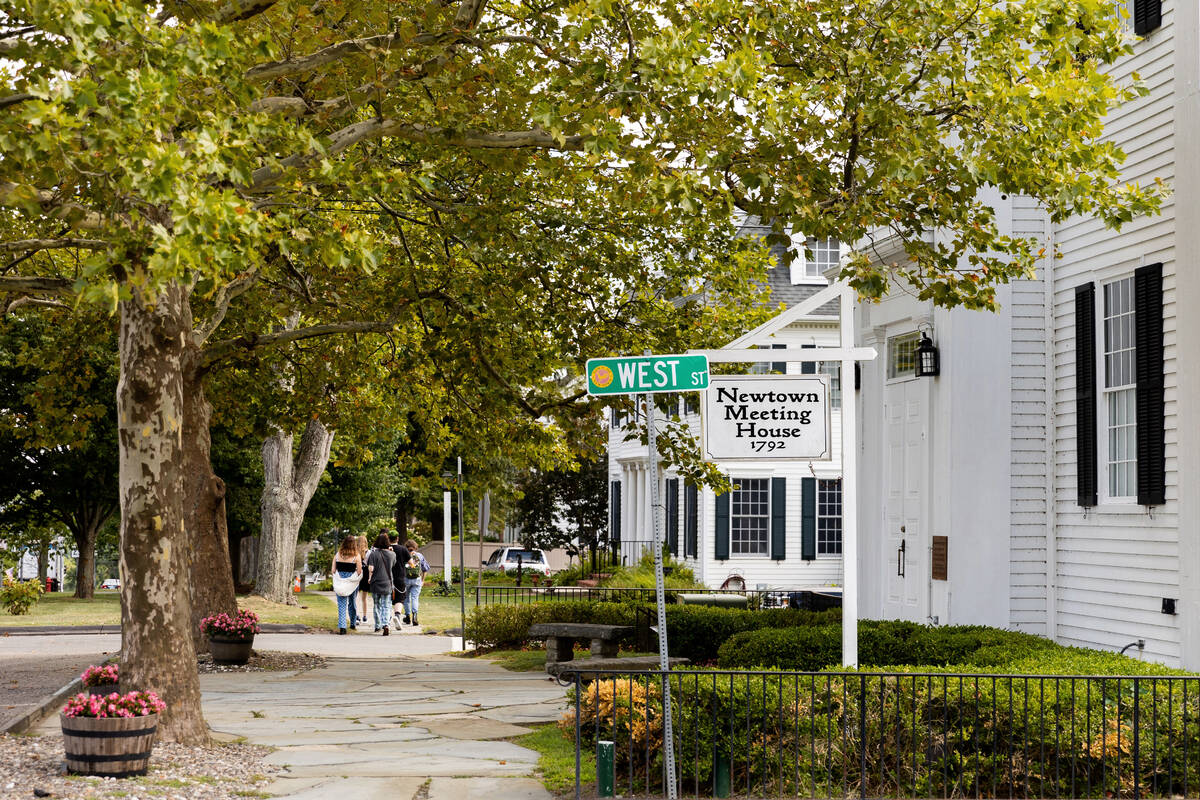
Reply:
x=114, y=747
x=229, y=650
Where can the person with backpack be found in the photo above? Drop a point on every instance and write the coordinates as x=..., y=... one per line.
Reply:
x=399, y=582
x=414, y=579
x=379, y=564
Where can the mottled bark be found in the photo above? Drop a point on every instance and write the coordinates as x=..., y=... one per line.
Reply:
x=43, y=559
x=157, y=653
x=288, y=484
x=211, y=570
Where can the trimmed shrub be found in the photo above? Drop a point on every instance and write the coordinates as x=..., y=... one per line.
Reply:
x=18, y=596
x=508, y=625
x=697, y=632
x=881, y=644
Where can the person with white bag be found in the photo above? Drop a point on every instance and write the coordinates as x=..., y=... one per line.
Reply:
x=347, y=570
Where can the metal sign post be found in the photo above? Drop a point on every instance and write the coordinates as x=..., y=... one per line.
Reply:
x=660, y=597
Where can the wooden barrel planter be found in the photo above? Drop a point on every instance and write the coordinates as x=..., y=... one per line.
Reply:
x=104, y=689
x=229, y=650
x=114, y=747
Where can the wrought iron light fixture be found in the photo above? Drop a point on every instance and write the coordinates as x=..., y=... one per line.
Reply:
x=928, y=362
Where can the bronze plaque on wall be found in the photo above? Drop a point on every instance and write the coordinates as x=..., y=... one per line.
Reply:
x=940, y=545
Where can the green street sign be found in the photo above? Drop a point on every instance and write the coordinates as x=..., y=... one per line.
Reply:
x=647, y=374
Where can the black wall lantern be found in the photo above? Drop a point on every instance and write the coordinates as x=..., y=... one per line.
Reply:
x=928, y=363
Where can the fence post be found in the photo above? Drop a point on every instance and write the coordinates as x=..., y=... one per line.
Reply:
x=1137, y=786
x=606, y=776
x=862, y=733
x=578, y=737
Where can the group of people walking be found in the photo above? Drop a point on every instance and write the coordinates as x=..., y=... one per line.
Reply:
x=391, y=573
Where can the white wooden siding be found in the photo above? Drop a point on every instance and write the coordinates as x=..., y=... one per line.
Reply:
x=1114, y=563
x=1027, y=454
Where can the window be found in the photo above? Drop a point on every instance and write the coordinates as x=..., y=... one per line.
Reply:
x=1119, y=433
x=750, y=517
x=834, y=370
x=821, y=255
x=829, y=517
x=902, y=355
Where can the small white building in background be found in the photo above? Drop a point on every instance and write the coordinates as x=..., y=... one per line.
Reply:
x=1048, y=480
x=781, y=527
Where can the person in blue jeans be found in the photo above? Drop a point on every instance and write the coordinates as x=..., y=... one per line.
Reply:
x=346, y=564
x=414, y=579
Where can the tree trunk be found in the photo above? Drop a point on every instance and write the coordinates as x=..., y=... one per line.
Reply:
x=43, y=559
x=212, y=571
x=85, y=568
x=157, y=651
x=288, y=484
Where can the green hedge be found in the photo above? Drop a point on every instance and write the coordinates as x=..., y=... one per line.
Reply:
x=694, y=632
x=881, y=644
x=697, y=632
x=508, y=625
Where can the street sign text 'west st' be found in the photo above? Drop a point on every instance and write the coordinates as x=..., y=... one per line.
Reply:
x=647, y=374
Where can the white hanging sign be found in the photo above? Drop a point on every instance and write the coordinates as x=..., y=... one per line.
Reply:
x=753, y=417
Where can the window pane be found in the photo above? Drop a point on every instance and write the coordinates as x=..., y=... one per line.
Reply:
x=829, y=517
x=902, y=355
x=750, y=516
x=822, y=254
x=1122, y=443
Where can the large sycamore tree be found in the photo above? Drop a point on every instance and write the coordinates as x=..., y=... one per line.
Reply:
x=498, y=189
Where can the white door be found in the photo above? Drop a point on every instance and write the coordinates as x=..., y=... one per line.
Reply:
x=906, y=556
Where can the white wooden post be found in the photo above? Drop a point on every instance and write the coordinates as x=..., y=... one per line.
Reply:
x=849, y=488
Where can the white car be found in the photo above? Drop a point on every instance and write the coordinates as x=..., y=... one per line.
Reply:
x=111, y=583
x=506, y=559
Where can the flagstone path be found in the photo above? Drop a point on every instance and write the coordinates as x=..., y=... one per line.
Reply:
x=365, y=728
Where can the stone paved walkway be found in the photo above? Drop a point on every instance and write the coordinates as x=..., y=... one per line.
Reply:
x=381, y=728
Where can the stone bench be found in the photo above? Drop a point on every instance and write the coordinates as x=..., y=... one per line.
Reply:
x=561, y=637
x=588, y=668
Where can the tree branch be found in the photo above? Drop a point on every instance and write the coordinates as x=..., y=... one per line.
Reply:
x=225, y=296
x=256, y=341
x=27, y=245
x=344, y=49
x=26, y=300
x=76, y=215
x=371, y=129
x=23, y=283
x=14, y=99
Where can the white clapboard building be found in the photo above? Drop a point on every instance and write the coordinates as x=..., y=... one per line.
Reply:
x=781, y=526
x=1048, y=478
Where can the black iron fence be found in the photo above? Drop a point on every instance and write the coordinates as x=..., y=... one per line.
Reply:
x=896, y=735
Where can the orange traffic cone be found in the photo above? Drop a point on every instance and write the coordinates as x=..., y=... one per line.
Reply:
x=296, y=585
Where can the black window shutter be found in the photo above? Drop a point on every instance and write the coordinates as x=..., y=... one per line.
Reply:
x=808, y=367
x=691, y=521
x=1085, y=393
x=722, y=528
x=778, y=518
x=614, y=523
x=1147, y=15
x=808, y=518
x=673, y=516
x=779, y=366
x=1148, y=355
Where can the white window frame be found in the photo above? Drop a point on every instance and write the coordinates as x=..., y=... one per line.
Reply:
x=805, y=271
x=1105, y=392
x=915, y=338
x=733, y=516
x=838, y=517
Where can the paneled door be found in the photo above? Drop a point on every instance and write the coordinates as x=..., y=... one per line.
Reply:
x=906, y=556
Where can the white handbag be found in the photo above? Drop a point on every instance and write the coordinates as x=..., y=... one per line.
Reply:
x=344, y=587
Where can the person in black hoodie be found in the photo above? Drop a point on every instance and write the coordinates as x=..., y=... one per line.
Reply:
x=398, y=581
x=380, y=563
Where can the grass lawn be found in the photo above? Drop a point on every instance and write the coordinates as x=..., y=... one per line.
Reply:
x=61, y=608
x=557, y=761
